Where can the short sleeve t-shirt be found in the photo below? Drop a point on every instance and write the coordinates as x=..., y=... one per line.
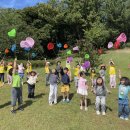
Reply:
x=112, y=70
x=1, y=69
x=29, y=69
x=76, y=72
x=16, y=81
x=82, y=83
x=123, y=91
x=20, y=69
x=8, y=68
x=47, y=70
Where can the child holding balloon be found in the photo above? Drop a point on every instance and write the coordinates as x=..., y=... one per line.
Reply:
x=76, y=75
x=28, y=67
x=82, y=90
x=93, y=76
x=47, y=72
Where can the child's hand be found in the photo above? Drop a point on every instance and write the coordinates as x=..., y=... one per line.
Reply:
x=15, y=59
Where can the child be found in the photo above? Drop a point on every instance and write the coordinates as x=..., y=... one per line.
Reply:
x=16, y=89
x=21, y=70
x=112, y=73
x=32, y=78
x=2, y=69
x=65, y=87
x=100, y=91
x=92, y=76
x=47, y=72
x=102, y=72
x=76, y=75
x=82, y=90
x=58, y=69
x=9, y=77
x=123, y=102
x=68, y=65
x=53, y=87
x=28, y=67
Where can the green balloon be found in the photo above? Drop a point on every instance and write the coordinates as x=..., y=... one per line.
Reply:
x=12, y=33
x=69, y=52
x=87, y=56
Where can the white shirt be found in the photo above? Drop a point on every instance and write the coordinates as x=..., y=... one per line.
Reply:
x=32, y=80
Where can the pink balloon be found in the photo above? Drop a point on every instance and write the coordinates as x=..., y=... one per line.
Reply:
x=122, y=38
x=25, y=44
x=70, y=59
x=110, y=45
x=76, y=48
x=30, y=41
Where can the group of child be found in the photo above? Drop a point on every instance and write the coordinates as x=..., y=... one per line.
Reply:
x=15, y=74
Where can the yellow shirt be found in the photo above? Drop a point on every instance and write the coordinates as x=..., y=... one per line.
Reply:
x=68, y=65
x=93, y=75
x=112, y=70
x=47, y=70
x=29, y=69
x=2, y=69
x=8, y=68
x=76, y=72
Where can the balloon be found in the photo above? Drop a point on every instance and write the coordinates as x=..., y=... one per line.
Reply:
x=87, y=56
x=12, y=33
x=76, y=48
x=117, y=45
x=110, y=45
x=27, y=49
x=86, y=65
x=30, y=41
x=65, y=46
x=50, y=46
x=70, y=59
x=69, y=52
x=59, y=45
x=34, y=55
x=122, y=38
x=13, y=48
x=6, y=51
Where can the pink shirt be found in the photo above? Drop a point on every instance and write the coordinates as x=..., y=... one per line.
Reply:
x=82, y=83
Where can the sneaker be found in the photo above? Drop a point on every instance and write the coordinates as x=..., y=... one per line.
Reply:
x=55, y=103
x=126, y=119
x=103, y=113
x=13, y=111
x=67, y=100
x=98, y=112
x=50, y=104
x=81, y=107
x=63, y=100
x=121, y=117
x=86, y=108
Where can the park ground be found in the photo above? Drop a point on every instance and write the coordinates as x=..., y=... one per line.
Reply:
x=38, y=115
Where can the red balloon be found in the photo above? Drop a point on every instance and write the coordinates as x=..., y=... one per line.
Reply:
x=117, y=45
x=50, y=46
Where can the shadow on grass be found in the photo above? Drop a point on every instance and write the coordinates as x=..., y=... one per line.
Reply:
x=61, y=97
x=27, y=103
x=39, y=96
x=5, y=104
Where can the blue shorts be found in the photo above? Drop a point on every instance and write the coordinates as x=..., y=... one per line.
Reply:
x=21, y=75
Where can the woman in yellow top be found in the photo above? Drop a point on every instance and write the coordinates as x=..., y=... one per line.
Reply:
x=47, y=73
x=9, y=77
x=28, y=67
x=76, y=75
x=112, y=73
x=2, y=69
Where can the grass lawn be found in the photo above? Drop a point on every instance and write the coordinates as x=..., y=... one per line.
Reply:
x=38, y=115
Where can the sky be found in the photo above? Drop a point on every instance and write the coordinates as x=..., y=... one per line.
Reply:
x=19, y=4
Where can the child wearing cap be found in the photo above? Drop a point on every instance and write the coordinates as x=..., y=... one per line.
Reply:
x=66, y=84
x=53, y=78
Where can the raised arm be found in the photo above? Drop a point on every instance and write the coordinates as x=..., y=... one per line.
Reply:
x=15, y=65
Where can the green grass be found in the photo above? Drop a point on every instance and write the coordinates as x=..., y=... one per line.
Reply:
x=38, y=115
